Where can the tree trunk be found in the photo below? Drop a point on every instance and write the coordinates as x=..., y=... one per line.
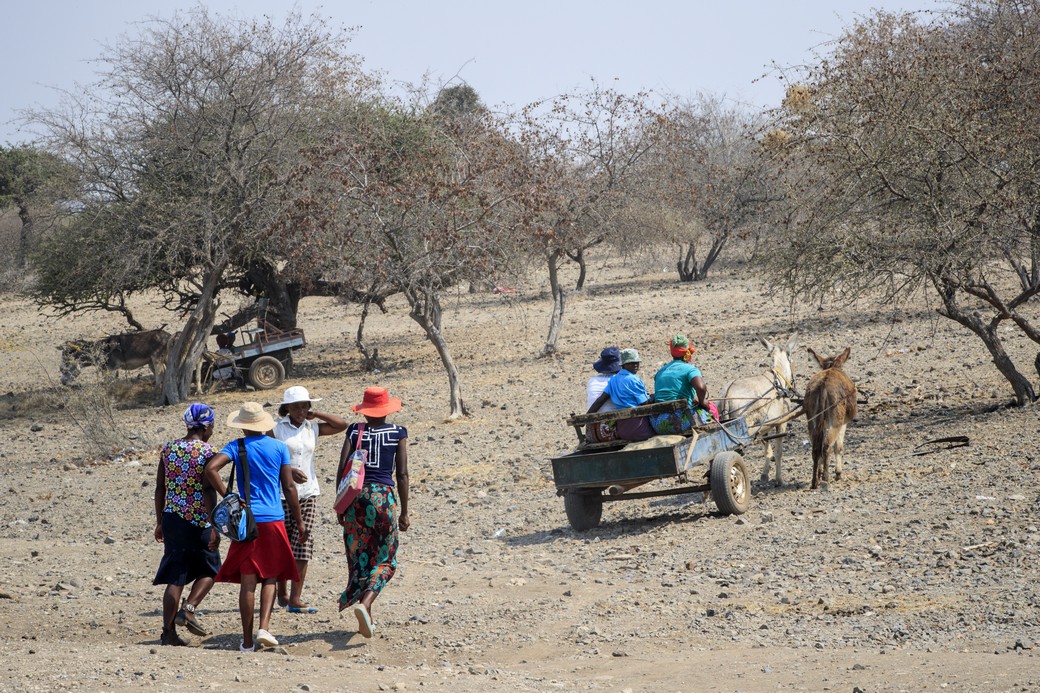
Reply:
x=687, y=265
x=426, y=311
x=717, y=244
x=579, y=257
x=24, y=236
x=283, y=300
x=1023, y=389
x=371, y=359
x=556, y=320
x=187, y=345
x=1024, y=392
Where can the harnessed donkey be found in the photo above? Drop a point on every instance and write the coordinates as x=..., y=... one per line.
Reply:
x=830, y=404
x=125, y=352
x=764, y=400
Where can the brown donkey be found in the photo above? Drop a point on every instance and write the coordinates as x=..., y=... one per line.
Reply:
x=830, y=404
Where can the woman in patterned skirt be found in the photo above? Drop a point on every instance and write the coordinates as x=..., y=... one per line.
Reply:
x=371, y=522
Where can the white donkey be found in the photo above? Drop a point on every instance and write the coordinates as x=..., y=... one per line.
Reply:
x=764, y=400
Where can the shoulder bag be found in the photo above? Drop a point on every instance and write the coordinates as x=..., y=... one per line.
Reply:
x=233, y=517
x=353, y=477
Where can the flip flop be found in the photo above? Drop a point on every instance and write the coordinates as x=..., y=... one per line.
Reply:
x=301, y=609
x=283, y=601
x=364, y=622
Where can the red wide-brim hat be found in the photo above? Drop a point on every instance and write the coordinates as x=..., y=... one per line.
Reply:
x=377, y=402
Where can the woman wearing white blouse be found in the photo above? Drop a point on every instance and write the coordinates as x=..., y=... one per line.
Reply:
x=299, y=427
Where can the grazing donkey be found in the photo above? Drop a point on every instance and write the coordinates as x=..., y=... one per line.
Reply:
x=764, y=398
x=125, y=352
x=830, y=404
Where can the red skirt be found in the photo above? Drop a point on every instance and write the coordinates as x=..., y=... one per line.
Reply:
x=267, y=556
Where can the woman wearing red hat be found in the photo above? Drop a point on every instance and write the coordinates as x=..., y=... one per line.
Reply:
x=371, y=522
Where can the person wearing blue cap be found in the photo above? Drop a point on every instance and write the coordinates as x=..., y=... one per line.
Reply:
x=190, y=543
x=608, y=364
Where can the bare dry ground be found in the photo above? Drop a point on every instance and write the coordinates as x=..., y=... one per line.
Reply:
x=912, y=573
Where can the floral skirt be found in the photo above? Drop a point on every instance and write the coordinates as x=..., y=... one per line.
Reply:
x=370, y=537
x=683, y=421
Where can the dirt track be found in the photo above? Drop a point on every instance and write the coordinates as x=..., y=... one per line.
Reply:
x=911, y=573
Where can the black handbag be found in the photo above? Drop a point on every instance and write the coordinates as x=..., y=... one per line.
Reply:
x=233, y=517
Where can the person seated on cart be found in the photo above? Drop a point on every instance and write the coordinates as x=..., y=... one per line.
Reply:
x=226, y=369
x=608, y=364
x=625, y=390
x=680, y=379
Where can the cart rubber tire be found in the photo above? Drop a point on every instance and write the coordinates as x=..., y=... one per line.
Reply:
x=584, y=510
x=266, y=372
x=730, y=484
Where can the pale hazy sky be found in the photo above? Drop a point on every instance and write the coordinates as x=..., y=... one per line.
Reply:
x=512, y=53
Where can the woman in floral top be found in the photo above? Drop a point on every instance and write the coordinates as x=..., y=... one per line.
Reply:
x=190, y=543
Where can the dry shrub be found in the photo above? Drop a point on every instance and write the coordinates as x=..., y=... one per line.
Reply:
x=91, y=406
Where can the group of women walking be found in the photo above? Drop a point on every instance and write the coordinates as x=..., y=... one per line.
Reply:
x=277, y=459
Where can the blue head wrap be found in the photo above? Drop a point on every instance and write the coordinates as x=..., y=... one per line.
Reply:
x=198, y=416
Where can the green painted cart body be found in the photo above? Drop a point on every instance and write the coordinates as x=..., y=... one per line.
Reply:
x=597, y=473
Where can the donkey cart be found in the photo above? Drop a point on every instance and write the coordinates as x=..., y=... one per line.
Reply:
x=261, y=361
x=595, y=473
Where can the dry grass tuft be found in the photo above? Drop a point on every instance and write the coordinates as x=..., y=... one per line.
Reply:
x=776, y=139
x=799, y=99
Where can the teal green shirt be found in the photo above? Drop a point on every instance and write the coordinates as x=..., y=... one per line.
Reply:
x=675, y=381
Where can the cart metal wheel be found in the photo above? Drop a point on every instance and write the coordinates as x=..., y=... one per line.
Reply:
x=584, y=510
x=730, y=484
x=266, y=372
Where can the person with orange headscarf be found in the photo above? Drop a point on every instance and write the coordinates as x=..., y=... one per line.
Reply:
x=680, y=379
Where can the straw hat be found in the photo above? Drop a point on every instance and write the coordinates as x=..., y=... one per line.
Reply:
x=251, y=417
x=298, y=393
x=377, y=402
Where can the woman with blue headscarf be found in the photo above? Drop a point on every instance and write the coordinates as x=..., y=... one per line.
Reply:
x=190, y=543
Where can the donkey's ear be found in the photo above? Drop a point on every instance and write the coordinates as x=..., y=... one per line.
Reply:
x=841, y=358
x=766, y=343
x=815, y=356
x=792, y=344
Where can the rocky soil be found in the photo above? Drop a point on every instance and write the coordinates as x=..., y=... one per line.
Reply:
x=914, y=572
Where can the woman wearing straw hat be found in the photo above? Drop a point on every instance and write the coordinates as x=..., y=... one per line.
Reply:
x=371, y=522
x=299, y=427
x=269, y=557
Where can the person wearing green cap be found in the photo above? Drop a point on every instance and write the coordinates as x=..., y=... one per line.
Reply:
x=680, y=379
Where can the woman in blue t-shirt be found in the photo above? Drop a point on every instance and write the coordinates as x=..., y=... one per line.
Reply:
x=371, y=522
x=268, y=558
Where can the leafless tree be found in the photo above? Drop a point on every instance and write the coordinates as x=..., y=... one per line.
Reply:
x=911, y=156
x=408, y=201
x=184, y=148
x=582, y=151
x=709, y=180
